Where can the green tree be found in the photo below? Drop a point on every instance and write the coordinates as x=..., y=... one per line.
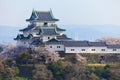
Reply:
x=9, y=73
x=94, y=76
x=106, y=72
x=42, y=73
x=57, y=69
x=75, y=72
x=22, y=58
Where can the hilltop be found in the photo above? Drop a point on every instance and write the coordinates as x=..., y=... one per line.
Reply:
x=24, y=63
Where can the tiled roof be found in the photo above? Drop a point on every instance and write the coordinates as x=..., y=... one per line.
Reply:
x=97, y=44
x=59, y=29
x=40, y=32
x=76, y=43
x=42, y=16
x=37, y=42
x=56, y=43
x=29, y=27
x=113, y=46
x=53, y=40
x=48, y=31
x=63, y=37
x=80, y=43
x=21, y=36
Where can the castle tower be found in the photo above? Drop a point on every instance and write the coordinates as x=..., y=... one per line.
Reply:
x=41, y=29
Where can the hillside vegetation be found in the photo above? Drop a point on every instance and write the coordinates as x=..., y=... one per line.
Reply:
x=42, y=64
x=110, y=40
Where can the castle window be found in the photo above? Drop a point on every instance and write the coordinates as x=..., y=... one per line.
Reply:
x=58, y=46
x=82, y=49
x=102, y=49
x=50, y=46
x=72, y=49
x=114, y=49
x=45, y=23
x=92, y=49
x=48, y=37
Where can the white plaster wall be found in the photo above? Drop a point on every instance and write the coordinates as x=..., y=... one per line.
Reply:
x=22, y=43
x=60, y=32
x=97, y=50
x=45, y=38
x=54, y=47
x=39, y=24
x=87, y=49
x=34, y=33
x=76, y=49
x=42, y=23
x=111, y=51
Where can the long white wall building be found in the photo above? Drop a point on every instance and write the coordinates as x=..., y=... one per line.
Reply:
x=82, y=47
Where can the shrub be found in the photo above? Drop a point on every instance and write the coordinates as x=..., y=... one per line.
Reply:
x=22, y=58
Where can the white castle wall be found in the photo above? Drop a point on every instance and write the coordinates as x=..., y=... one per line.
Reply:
x=55, y=47
x=42, y=23
x=89, y=50
x=110, y=50
x=45, y=38
x=23, y=43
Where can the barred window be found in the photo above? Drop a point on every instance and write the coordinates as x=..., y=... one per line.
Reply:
x=102, y=49
x=114, y=49
x=93, y=49
x=82, y=49
x=58, y=46
x=50, y=46
x=72, y=49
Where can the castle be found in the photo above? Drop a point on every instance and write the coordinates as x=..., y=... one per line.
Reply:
x=42, y=31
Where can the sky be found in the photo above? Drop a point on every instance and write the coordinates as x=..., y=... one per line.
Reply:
x=70, y=12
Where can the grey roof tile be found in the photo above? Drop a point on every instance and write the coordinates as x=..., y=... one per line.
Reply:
x=80, y=44
x=97, y=44
x=113, y=46
x=42, y=16
x=49, y=32
x=53, y=40
x=21, y=37
x=28, y=28
x=59, y=29
x=37, y=42
x=76, y=43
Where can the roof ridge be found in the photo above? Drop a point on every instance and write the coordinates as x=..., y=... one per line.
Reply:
x=41, y=11
x=47, y=27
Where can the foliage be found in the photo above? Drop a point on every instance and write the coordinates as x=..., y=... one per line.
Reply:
x=44, y=55
x=18, y=78
x=93, y=76
x=10, y=62
x=1, y=49
x=110, y=40
x=57, y=69
x=71, y=68
x=9, y=73
x=75, y=72
x=42, y=73
x=25, y=70
x=22, y=58
x=103, y=72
